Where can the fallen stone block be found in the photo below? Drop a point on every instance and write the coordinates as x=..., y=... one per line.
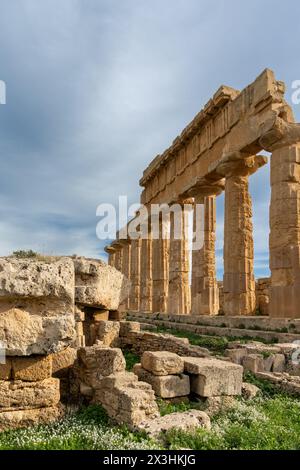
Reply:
x=25, y=418
x=99, y=285
x=125, y=399
x=279, y=364
x=108, y=333
x=96, y=362
x=212, y=377
x=127, y=327
x=249, y=391
x=187, y=421
x=162, y=362
x=166, y=386
x=16, y=395
x=236, y=355
x=254, y=363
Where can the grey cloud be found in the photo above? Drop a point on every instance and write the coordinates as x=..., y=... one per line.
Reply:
x=96, y=89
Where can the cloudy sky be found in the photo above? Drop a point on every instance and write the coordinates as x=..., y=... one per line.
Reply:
x=96, y=89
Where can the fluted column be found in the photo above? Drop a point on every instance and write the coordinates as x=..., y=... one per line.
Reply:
x=111, y=255
x=239, y=281
x=179, y=297
x=205, y=291
x=146, y=274
x=284, y=143
x=135, y=275
x=118, y=256
x=126, y=267
x=160, y=270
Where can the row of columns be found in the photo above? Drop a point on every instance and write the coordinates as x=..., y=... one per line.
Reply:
x=159, y=268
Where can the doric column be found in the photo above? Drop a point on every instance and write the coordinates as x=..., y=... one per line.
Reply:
x=160, y=269
x=135, y=275
x=179, y=297
x=118, y=256
x=111, y=255
x=284, y=143
x=239, y=281
x=126, y=267
x=146, y=274
x=205, y=291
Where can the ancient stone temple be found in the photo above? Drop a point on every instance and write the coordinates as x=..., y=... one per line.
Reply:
x=219, y=151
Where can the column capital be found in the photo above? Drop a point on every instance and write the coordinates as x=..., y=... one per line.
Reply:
x=239, y=164
x=109, y=250
x=203, y=186
x=282, y=134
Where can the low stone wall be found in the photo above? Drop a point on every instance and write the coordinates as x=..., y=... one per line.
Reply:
x=265, y=328
x=48, y=306
x=127, y=335
x=101, y=377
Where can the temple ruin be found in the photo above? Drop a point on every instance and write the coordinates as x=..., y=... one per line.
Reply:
x=218, y=151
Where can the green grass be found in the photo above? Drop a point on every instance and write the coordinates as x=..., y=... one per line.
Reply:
x=260, y=424
x=268, y=422
x=131, y=359
x=88, y=429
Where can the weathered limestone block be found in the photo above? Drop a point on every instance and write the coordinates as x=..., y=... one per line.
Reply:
x=43, y=287
x=166, y=386
x=125, y=399
x=98, y=284
x=212, y=377
x=127, y=327
x=36, y=305
x=254, y=363
x=25, y=334
x=162, y=362
x=26, y=418
x=31, y=369
x=236, y=355
x=279, y=364
x=108, y=332
x=16, y=395
x=96, y=362
x=249, y=391
x=63, y=361
x=216, y=405
x=187, y=421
